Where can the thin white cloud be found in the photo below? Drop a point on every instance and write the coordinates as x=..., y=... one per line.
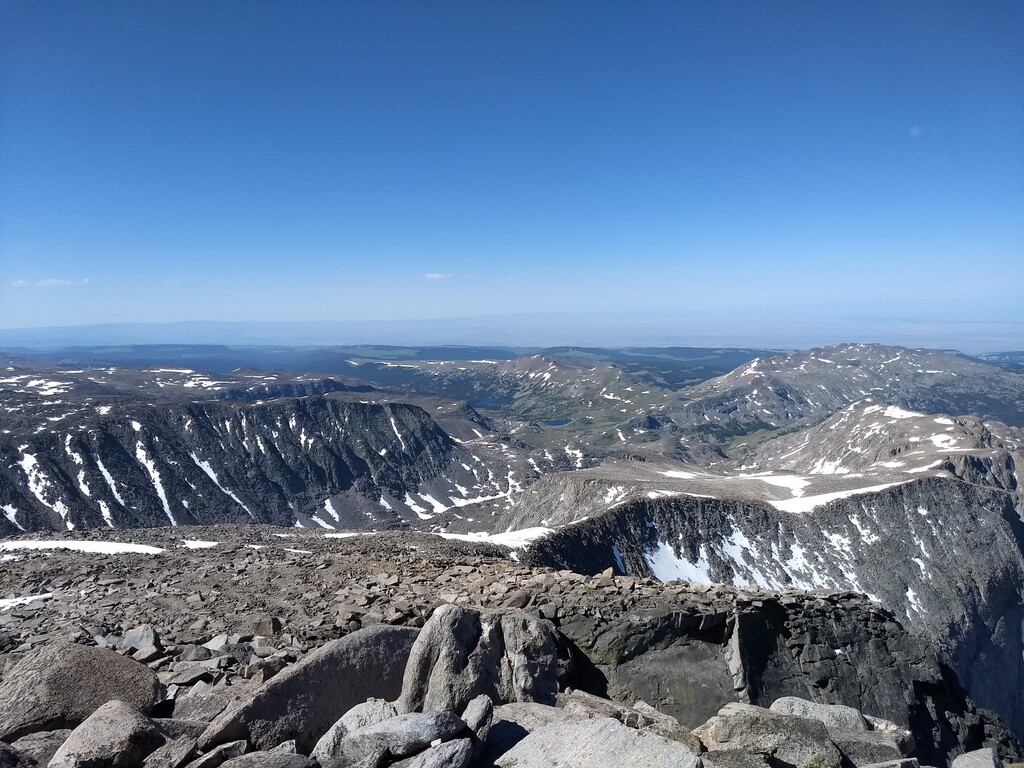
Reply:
x=49, y=282
x=437, y=276
x=916, y=132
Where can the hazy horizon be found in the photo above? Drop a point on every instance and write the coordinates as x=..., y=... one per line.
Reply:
x=538, y=330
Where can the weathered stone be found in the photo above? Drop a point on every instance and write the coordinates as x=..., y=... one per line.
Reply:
x=399, y=736
x=906, y=762
x=478, y=716
x=12, y=758
x=602, y=741
x=144, y=636
x=979, y=758
x=451, y=754
x=218, y=755
x=734, y=758
x=204, y=707
x=798, y=741
x=271, y=759
x=61, y=684
x=306, y=699
x=116, y=735
x=832, y=716
x=40, y=747
x=461, y=654
x=863, y=747
x=173, y=754
x=361, y=715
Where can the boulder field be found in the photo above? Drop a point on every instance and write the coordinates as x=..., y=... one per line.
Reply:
x=410, y=651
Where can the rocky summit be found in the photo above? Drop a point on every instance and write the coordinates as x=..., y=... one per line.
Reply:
x=262, y=646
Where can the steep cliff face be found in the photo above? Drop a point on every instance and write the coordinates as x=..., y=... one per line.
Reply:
x=834, y=648
x=944, y=555
x=313, y=460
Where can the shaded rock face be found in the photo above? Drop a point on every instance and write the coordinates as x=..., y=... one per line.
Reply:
x=305, y=700
x=828, y=648
x=462, y=654
x=945, y=556
x=61, y=684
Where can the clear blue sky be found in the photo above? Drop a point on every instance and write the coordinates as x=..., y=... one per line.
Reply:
x=165, y=161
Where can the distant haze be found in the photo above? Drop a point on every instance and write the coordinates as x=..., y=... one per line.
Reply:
x=769, y=330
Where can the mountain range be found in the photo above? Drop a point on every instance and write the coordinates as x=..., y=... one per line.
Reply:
x=883, y=470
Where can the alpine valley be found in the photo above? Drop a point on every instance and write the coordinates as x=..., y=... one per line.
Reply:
x=888, y=472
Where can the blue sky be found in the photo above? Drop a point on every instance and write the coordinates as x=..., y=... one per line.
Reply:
x=232, y=161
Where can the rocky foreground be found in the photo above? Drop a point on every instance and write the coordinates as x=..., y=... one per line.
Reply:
x=288, y=649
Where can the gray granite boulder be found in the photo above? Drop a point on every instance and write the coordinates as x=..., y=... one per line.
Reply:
x=462, y=653
x=116, y=735
x=601, y=742
x=60, y=684
x=451, y=754
x=306, y=699
x=832, y=716
x=978, y=758
x=797, y=741
x=399, y=736
x=370, y=712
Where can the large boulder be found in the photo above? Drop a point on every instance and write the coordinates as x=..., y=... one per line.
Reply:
x=272, y=759
x=602, y=741
x=451, y=754
x=832, y=716
x=61, y=684
x=370, y=712
x=797, y=741
x=306, y=699
x=399, y=736
x=116, y=735
x=461, y=654
x=979, y=758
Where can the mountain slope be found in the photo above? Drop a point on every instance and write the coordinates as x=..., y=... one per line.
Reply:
x=77, y=451
x=945, y=555
x=774, y=392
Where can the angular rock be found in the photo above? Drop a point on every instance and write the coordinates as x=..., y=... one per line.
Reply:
x=203, y=707
x=798, y=741
x=141, y=637
x=306, y=699
x=735, y=758
x=271, y=759
x=978, y=758
x=369, y=712
x=478, y=716
x=61, y=684
x=832, y=716
x=601, y=742
x=40, y=747
x=903, y=738
x=218, y=755
x=866, y=747
x=116, y=735
x=906, y=762
x=461, y=654
x=451, y=754
x=173, y=754
x=398, y=736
